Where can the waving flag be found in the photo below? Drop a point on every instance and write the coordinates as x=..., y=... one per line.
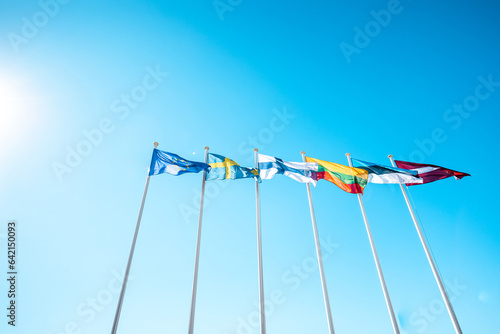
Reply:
x=385, y=174
x=349, y=179
x=429, y=173
x=299, y=171
x=224, y=168
x=164, y=162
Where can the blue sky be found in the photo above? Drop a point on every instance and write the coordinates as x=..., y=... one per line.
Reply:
x=87, y=87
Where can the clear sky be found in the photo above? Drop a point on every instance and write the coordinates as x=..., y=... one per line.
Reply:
x=86, y=87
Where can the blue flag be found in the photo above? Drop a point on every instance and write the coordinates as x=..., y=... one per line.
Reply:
x=224, y=168
x=165, y=162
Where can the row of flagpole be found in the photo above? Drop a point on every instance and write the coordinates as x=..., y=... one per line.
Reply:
x=318, y=253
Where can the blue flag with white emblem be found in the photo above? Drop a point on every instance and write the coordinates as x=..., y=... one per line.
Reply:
x=165, y=162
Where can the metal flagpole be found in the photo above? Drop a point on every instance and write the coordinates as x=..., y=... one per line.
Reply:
x=320, y=260
x=197, y=256
x=131, y=255
x=262, y=309
x=440, y=284
x=377, y=262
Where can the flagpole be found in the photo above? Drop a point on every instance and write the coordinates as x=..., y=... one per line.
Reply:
x=318, y=254
x=439, y=282
x=197, y=256
x=262, y=309
x=131, y=255
x=377, y=262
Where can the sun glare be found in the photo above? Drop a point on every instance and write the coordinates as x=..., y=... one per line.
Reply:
x=15, y=114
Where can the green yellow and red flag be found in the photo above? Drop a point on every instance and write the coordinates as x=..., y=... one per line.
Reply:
x=350, y=179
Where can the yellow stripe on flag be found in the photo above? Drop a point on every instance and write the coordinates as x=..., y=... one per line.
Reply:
x=227, y=163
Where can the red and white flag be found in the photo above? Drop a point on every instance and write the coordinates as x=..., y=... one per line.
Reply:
x=429, y=173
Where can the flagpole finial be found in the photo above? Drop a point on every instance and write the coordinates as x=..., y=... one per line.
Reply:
x=347, y=154
x=206, y=147
x=302, y=152
x=256, y=150
x=389, y=156
x=156, y=144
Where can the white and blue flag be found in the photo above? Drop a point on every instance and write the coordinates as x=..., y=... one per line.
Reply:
x=304, y=172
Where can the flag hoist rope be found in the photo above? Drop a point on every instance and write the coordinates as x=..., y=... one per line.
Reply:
x=377, y=262
x=197, y=256
x=320, y=260
x=439, y=282
x=131, y=255
x=262, y=310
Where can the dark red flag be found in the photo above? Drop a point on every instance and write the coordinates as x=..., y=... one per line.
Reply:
x=429, y=173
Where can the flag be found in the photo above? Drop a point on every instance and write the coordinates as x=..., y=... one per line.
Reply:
x=349, y=179
x=224, y=168
x=165, y=162
x=299, y=171
x=385, y=174
x=429, y=173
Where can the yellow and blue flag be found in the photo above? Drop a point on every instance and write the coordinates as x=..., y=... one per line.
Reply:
x=223, y=168
x=165, y=162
